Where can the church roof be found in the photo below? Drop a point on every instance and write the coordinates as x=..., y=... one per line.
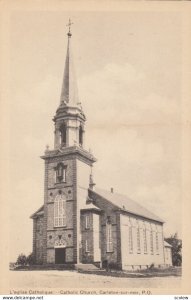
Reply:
x=126, y=204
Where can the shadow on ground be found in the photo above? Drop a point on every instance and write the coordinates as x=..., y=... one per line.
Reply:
x=150, y=272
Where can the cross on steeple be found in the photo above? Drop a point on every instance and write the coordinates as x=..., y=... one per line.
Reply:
x=69, y=25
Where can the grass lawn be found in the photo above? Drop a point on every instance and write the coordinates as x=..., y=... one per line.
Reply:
x=150, y=272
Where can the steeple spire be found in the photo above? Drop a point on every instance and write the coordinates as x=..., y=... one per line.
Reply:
x=69, y=25
x=70, y=118
x=69, y=92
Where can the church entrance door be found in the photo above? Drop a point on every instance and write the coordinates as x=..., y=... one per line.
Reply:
x=60, y=255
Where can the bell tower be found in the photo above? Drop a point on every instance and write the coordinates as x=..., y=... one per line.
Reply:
x=67, y=170
x=69, y=119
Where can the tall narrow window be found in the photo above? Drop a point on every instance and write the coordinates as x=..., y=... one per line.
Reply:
x=157, y=243
x=60, y=170
x=80, y=136
x=130, y=239
x=87, y=221
x=60, y=211
x=151, y=242
x=145, y=240
x=138, y=241
x=60, y=173
x=64, y=174
x=87, y=246
x=109, y=237
x=63, y=135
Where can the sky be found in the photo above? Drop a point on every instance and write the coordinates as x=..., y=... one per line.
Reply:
x=128, y=68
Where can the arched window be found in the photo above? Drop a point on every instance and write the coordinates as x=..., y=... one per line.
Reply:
x=138, y=241
x=130, y=239
x=157, y=243
x=63, y=135
x=109, y=240
x=60, y=211
x=145, y=239
x=87, y=246
x=80, y=135
x=151, y=242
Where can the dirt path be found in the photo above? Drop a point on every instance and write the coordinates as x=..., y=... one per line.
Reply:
x=61, y=280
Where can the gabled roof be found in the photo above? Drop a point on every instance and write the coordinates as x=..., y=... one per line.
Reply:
x=87, y=205
x=167, y=244
x=126, y=204
x=37, y=213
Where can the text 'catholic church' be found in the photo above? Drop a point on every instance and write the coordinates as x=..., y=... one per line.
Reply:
x=79, y=223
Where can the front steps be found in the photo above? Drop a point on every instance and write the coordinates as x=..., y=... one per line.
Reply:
x=86, y=267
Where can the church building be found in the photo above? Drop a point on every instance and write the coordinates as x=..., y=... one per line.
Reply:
x=78, y=222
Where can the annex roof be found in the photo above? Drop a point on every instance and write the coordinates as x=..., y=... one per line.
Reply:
x=37, y=213
x=167, y=244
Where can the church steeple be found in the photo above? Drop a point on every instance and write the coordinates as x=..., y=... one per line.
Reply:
x=69, y=119
x=69, y=92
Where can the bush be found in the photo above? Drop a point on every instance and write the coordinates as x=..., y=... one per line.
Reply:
x=152, y=266
x=30, y=259
x=22, y=260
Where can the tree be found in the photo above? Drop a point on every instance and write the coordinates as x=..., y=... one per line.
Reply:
x=176, y=249
x=30, y=259
x=22, y=259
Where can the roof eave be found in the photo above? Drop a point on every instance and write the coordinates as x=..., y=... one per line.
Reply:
x=122, y=211
x=115, y=206
x=35, y=214
x=94, y=210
